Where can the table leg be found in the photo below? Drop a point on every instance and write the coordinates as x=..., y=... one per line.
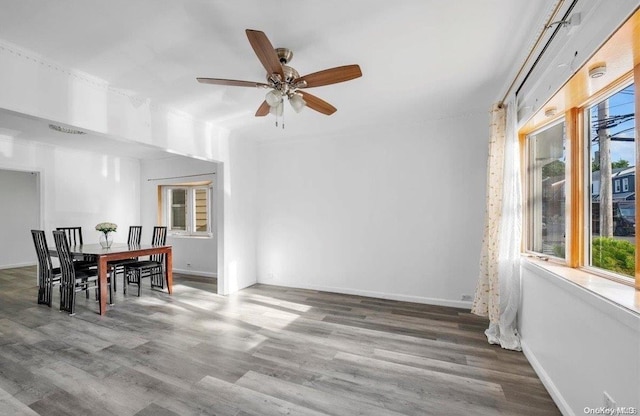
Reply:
x=168, y=266
x=102, y=282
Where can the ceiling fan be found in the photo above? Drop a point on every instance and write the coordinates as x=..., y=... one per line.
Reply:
x=284, y=81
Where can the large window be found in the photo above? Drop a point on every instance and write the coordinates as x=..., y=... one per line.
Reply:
x=187, y=209
x=610, y=125
x=546, y=191
x=605, y=223
x=580, y=167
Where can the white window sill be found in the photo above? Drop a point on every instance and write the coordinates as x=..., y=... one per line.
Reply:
x=617, y=293
x=200, y=237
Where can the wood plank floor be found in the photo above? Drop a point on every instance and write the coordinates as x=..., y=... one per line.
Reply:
x=264, y=351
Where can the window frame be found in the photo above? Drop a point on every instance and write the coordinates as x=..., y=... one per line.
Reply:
x=528, y=215
x=190, y=207
x=577, y=93
x=168, y=205
x=578, y=191
x=585, y=265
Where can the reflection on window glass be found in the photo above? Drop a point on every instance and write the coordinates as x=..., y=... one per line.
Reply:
x=547, y=158
x=178, y=209
x=613, y=159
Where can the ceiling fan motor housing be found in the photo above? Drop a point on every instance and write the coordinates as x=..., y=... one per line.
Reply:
x=289, y=73
x=286, y=85
x=285, y=55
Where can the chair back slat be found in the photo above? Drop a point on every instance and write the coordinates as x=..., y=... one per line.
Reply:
x=135, y=231
x=159, y=239
x=73, y=234
x=42, y=250
x=45, y=267
x=68, y=274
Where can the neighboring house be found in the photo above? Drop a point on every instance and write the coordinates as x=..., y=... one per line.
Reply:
x=623, y=182
x=623, y=196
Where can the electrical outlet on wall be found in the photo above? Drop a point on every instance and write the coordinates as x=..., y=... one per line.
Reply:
x=609, y=403
x=467, y=298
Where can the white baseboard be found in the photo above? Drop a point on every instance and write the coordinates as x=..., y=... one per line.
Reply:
x=555, y=394
x=372, y=294
x=195, y=273
x=14, y=266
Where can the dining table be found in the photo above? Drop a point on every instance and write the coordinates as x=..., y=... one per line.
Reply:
x=104, y=255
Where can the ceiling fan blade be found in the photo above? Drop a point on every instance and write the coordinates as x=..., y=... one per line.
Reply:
x=265, y=52
x=263, y=110
x=330, y=76
x=232, y=82
x=317, y=104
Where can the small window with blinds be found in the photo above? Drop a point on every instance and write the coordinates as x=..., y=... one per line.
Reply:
x=187, y=209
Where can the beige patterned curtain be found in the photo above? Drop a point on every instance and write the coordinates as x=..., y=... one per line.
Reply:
x=498, y=291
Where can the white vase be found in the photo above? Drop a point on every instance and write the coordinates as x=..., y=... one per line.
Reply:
x=106, y=239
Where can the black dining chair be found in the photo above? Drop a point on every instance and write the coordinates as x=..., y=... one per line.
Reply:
x=72, y=279
x=73, y=234
x=74, y=238
x=48, y=276
x=152, y=268
x=117, y=266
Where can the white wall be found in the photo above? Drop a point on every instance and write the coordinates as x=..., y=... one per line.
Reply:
x=234, y=211
x=77, y=188
x=19, y=213
x=580, y=344
x=239, y=175
x=190, y=255
x=37, y=87
x=394, y=211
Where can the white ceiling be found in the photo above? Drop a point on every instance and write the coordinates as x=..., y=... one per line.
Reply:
x=421, y=59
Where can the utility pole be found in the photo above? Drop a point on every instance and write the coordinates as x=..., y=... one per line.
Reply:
x=606, y=197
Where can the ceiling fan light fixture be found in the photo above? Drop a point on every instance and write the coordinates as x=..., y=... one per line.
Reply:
x=273, y=98
x=277, y=109
x=297, y=102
